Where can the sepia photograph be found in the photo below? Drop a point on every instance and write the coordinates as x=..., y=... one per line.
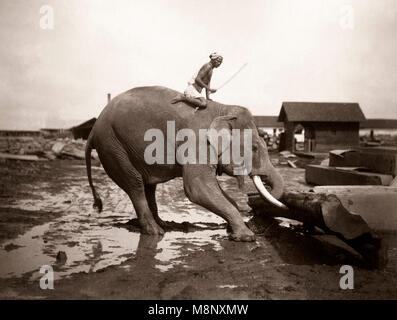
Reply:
x=218, y=150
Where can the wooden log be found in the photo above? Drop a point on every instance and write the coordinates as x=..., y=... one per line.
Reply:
x=74, y=153
x=311, y=216
x=375, y=204
x=291, y=164
x=378, y=160
x=318, y=209
x=344, y=158
x=20, y=157
x=321, y=175
x=326, y=212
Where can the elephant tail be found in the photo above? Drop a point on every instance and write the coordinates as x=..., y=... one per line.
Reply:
x=88, y=149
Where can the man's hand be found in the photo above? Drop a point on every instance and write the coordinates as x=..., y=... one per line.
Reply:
x=208, y=92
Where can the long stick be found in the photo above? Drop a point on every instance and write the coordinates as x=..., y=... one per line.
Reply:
x=235, y=74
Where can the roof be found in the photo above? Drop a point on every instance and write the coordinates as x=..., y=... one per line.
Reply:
x=320, y=112
x=53, y=129
x=267, y=122
x=379, y=124
x=86, y=124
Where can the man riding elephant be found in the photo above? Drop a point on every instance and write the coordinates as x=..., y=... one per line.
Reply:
x=202, y=80
x=123, y=137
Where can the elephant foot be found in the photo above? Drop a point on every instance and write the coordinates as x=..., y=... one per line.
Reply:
x=163, y=224
x=171, y=225
x=245, y=235
x=151, y=228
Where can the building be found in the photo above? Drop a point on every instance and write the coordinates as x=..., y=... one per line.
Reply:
x=82, y=131
x=379, y=127
x=55, y=133
x=269, y=124
x=20, y=133
x=326, y=125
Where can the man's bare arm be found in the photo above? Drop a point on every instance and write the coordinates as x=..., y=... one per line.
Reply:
x=207, y=91
x=205, y=69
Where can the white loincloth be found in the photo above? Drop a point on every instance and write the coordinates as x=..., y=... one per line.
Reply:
x=191, y=92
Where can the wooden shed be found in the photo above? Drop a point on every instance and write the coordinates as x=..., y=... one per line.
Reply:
x=327, y=125
x=82, y=131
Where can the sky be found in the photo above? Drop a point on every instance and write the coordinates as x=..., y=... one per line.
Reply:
x=295, y=50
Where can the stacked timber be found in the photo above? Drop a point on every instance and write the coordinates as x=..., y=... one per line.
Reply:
x=362, y=166
x=39, y=148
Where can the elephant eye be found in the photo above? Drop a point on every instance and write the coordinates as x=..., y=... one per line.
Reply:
x=254, y=147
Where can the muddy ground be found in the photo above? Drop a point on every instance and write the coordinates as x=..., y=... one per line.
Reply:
x=46, y=207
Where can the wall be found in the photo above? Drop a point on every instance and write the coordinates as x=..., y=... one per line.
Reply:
x=288, y=143
x=335, y=135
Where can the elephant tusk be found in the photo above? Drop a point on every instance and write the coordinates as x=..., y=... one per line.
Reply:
x=263, y=191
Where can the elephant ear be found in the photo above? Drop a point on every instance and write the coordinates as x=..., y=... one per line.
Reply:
x=219, y=134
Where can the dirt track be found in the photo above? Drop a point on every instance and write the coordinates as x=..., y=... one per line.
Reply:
x=47, y=207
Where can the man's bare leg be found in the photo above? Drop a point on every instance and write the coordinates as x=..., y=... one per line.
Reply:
x=178, y=98
x=201, y=103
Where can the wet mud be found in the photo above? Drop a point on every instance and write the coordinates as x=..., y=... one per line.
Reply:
x=46, y=218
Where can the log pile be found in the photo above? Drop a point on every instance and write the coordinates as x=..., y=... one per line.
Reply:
x=39, y=148
x=361, y=166
x=22, y=145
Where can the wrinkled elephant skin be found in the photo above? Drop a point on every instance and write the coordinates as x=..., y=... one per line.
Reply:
x=118, y=137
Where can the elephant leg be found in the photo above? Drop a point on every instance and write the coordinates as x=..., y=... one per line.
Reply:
x=202, y=188
x=231, y=200
x=117, y=165
x=150, y=191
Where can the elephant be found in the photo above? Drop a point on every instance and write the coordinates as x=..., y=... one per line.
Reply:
x=118, y=136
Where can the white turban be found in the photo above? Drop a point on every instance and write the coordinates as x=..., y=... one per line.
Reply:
x=216, y=56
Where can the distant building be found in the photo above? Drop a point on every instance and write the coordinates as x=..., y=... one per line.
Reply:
x=20, y=133
x=379, y=127
x=82, y=131
x=54, y=133
x=269, y=124
x=326, y=125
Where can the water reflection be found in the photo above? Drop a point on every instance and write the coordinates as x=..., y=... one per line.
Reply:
x=95, y=241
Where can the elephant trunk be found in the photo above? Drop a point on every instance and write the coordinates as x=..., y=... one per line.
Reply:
x=277, y=183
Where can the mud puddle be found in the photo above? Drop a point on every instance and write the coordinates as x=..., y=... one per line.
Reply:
x=91, y=241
